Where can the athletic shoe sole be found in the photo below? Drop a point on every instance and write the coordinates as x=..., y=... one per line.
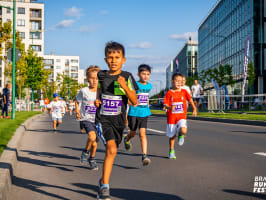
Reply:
x=146, y=162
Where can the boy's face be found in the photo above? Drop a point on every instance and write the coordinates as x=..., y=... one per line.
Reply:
x=56, y=98
x=115, y=60
x=144, y=76
x=92, y=79
x=183, y=81
x=177, y=82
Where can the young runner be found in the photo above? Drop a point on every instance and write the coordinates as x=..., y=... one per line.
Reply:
x=64, y=106
x=86, y=114
x=175, y=101
x=56, y=110
x=138, y=115
x=71, y=106
x=116, y=88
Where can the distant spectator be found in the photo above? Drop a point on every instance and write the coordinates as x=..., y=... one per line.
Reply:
x=42, y=105
x=6, y=100
x=196, y=92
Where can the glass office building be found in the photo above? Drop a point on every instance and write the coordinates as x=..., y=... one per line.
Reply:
x=222, y=36
x=186, y=62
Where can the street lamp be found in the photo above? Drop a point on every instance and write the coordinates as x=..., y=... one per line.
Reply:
x=13, y=57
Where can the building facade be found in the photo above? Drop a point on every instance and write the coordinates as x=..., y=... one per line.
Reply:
x=185, y=62
x=29, y=24
x=67, y=65
x=222, y=36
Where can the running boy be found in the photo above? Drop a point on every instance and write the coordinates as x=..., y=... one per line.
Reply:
x=175, y=101
x=86, y=98
x=116, y=88
x=56, y=110
x=138, y=115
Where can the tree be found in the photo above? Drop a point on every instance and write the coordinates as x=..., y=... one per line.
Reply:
x=36, y=74
x=222, y=75
x=251, y=74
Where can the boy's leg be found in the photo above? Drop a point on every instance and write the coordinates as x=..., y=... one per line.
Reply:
x=54, y=124
x=182, y=131
x=130, y=135
x=91, y=140
x=143, y=140
x=172, y=142
x=111, y=150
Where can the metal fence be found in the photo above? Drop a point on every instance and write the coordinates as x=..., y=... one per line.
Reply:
x=221, y=102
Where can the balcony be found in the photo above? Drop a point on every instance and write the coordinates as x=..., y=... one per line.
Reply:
x=35, y=14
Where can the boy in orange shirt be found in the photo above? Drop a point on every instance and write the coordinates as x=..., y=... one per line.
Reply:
x=175, y=101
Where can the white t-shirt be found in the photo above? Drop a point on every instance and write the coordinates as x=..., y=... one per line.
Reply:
x=64, y=106
x=71, y=105
x=196, y=89
x=56, y=107
x=187, y=89
x=41, y=102
x=86, y=100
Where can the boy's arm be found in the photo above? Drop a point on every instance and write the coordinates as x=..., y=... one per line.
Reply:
x=131, y=94
x=98, y=98
x=77, y=109
x=193, y=107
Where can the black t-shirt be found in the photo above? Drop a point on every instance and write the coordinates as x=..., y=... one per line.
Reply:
x=6, y=93
x=109, y=86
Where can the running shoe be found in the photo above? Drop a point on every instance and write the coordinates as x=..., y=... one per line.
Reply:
x=145, y=160
x=2, y=117
x=103, y=192
x=128, y=145
x=7, y=117
x=172, y=154
x=84, y=158
x=93, y=164
x=181, y=140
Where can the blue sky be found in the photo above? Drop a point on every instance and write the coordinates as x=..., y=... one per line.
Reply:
x=152, y=31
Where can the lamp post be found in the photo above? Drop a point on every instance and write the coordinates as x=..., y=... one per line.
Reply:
x=13, y=58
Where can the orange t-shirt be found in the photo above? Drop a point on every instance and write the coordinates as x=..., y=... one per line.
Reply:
x=46, y=101
x=179, y=100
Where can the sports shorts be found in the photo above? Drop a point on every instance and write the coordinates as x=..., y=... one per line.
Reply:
x=135, y=123
x=173, y=129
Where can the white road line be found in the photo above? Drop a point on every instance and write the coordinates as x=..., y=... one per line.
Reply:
x=260, y=153
x=148, y=129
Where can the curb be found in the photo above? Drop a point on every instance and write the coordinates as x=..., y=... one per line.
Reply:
x=8, y=159
x=231, y=121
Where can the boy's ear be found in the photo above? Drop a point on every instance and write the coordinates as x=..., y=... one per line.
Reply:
x=124, y=60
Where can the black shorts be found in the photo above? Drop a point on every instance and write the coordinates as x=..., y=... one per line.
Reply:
x=196, y=99
x=137, y=122
x=108, y=131
x=89, y=126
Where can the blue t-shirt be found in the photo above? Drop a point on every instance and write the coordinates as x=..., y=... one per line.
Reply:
x=142, y=110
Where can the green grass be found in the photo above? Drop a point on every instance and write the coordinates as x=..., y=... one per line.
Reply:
x=9, y=126
x=223, y=115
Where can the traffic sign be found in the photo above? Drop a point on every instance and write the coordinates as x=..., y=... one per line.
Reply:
x=10, y=55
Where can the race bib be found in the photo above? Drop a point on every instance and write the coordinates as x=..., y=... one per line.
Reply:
x=56, y=108
x=111, y=105
x=179, y=108
x=143, y=99
x=90, y=109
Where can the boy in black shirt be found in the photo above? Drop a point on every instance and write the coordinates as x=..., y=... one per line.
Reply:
x=116, y=88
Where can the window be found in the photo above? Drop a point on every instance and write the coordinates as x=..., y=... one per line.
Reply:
x=21, y=10
x=58, y=67
x=35, y=25
x=36, y=47
x=48, y=61
x=22, y=35
x=74, y=75
x=0, y=10
x=8, y=10
x=74, y=61
x=21, y=0
x=58, y=60
x=67, y=62
x=35, y=13
x=35, y=35
x=74, y=69
x=21, y=22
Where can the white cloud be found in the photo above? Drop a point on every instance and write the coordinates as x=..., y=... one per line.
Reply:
x=141, y=45
x=64, y=24
x=87, y=29
x=73, y=12
x=103, y=12
x=185, y=36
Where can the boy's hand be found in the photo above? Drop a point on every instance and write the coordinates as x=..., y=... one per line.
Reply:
x=122, y=82
x=77, y=114
x=194, y=114
x=98, y=103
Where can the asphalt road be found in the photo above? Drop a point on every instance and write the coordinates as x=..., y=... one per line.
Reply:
x=216, y=162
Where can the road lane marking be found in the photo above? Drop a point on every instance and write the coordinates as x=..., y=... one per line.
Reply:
x=260, y=153
x=148, y=129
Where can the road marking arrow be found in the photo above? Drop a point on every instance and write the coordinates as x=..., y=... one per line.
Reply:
x=260, y=153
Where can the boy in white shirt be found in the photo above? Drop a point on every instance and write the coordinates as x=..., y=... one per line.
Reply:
x=56, y=110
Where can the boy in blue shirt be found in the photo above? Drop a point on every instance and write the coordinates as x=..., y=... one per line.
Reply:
x=138, y=114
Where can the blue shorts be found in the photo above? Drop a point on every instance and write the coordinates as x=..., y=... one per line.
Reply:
x=89, y=126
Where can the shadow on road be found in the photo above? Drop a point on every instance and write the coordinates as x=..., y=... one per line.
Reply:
x=130, y=194
x=119, y=152
x=36, y=187
x=245, y=193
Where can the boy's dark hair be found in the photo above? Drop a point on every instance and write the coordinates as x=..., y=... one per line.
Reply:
x=175, y=75
x=144, y=67
x=114, y=46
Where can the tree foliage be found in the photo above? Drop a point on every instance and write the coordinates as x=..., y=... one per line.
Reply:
x=251, y=74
